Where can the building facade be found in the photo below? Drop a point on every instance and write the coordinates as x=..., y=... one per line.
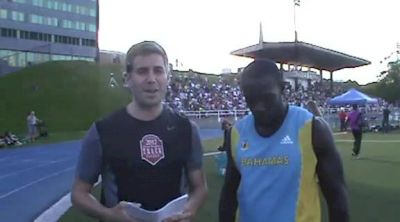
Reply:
x=111, y=57
x=36, y=31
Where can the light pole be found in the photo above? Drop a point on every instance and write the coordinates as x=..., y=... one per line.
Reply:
x=296, y=3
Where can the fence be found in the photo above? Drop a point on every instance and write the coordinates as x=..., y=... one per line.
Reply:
x=373, y=116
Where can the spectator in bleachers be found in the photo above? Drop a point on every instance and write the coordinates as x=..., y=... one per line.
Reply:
x=195, y=92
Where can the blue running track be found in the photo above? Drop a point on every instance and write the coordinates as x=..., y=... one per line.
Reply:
x=33, y=178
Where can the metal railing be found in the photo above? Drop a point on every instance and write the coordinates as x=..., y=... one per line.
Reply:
x=236, y=114
x=374, y=117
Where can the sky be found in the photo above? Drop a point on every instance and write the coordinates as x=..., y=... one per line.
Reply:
x=202, y=34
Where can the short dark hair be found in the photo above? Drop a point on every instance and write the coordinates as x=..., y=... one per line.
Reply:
x=261, y=68
x=144, y=48
x=355, y=106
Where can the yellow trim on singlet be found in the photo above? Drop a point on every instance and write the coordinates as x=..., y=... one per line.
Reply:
x=308, y=202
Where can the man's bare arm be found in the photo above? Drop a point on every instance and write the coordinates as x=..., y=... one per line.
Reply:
x=330, y=172
x=197, y=196
x=82, y=199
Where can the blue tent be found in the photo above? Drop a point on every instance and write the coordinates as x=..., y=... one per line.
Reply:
x=352, y=96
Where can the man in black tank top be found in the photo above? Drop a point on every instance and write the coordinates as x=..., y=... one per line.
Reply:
x=144, y=152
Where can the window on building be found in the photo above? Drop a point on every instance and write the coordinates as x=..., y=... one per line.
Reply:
x=17, y=16
x=21, y=59
x=49, y=4
x=3, y=53
x=80, y=26
x=64, y=6
x=56, y=5
x=12, y=60
x=92, y=12
x=83, y=10
x=19, y=1
x=92, y=28
x=10, y=33
x=50, y=21
x=23, y=35
x=54, y=21
x=3, y=13
x=37, y=3
x=33, y=35
x=4, y=32
x=37, y=19
x=69, y=7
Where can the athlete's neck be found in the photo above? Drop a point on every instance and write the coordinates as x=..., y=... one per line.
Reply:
x=270, y=129
x=144, y=113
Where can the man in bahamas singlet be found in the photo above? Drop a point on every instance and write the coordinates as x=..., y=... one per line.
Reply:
x=279, y=158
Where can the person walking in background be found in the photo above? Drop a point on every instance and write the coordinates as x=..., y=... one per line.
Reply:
x=355, y=120
x=226, y=126
x=221, y=158
x=385, y=120
x=32, y=120
x=342, y=118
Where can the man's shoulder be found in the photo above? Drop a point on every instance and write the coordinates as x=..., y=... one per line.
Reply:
x=111, y=117
x=297, y=109
x=243, y=122
x=175, y=115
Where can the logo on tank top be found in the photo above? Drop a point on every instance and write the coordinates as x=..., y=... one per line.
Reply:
x=151, y=149
x=244, y=146
x=286, y=140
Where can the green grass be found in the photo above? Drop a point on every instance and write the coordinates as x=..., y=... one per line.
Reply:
x=373, y=181
x=54, y=137
x=67, y=95
x=61, y=136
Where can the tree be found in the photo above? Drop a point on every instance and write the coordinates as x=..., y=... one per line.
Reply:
x=388, y=87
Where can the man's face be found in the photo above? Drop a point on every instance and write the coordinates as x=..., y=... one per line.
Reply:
x=148, y=80
x=264, y=99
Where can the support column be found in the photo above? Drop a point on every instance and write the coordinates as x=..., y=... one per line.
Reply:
x=320, y=74
x=331, y=82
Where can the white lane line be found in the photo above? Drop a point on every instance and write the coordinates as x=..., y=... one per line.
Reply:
x=34, y=167
x=20, y=161
x=36, y=181
x=7, y=158
x=58, y=209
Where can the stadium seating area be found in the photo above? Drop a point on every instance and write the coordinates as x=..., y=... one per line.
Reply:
x=197, y=93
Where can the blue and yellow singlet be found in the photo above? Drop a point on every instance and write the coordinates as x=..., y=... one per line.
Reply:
x=278, y=173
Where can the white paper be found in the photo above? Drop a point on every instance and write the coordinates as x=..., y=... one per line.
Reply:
x=171, y=208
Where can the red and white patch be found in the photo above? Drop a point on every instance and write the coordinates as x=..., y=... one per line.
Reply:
x=152, y=149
